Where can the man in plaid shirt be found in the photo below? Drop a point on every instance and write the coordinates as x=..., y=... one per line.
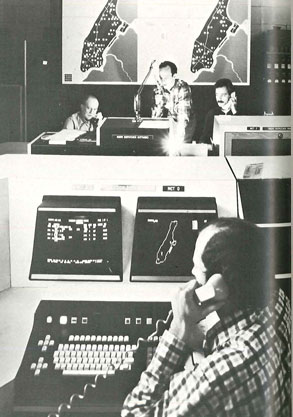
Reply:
x=245, y=371
x=173, y=99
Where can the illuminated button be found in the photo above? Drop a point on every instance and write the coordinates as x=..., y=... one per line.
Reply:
x=73, y=320
x=149, y=321
x=90, y=354
x=127, y=320
x=51, y=343
x=66, y=346
x=77, y=346
x=93, y=338
x=82, y=347
x=138, y=320
x=33, y=366
x=110, y=338
x=60, y=346
x=105, y=347
x=41, y=359
x=82, y=338
x=71, y=346
x=40, y=343
x=84, y=320
x=45, y=366
x=71, y=338
x=63, y=320
x=44, y=348
x=89, y=347
x=49, y=319
x=76, y=338
x=116, y=348
x=57, y=366
x=122, y=348
x=115, y=338
x=111, y=348
x=99, y=338
x=48, y=337
x=87, y=338
x=104, y=338
x=73, y=353
x=100, y=347
x=37, y=372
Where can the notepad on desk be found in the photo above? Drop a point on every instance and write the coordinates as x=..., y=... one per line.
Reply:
x=65, y=135
x=154, y=124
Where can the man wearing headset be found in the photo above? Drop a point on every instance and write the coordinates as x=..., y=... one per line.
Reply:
x=245, y=369
x=226, y=105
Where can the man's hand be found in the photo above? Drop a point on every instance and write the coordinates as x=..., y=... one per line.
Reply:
x=187, y=313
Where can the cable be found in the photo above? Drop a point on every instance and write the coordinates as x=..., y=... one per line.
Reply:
x=67, y=406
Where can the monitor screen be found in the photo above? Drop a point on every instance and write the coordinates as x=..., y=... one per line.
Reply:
x=166, y=229
x=78, y=238
x=251, y=128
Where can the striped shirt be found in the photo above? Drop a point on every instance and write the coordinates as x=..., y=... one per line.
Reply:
x=245, y=372
x=176, y=103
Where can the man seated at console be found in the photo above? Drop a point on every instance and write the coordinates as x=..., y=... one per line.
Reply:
x=173, y=99
x=88, y=118
x=226, y=105
x=245, y=368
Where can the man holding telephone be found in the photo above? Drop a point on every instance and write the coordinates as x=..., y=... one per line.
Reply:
x=88, y=118
x=245, y=370
x=226, y=105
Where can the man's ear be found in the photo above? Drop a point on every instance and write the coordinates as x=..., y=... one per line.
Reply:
x=221, y=289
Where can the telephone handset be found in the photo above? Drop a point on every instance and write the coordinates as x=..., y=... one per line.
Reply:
x=215, y=289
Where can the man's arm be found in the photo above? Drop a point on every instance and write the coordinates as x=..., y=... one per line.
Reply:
x=159, y=103
x=165, y=388
x=184, y=104
x=69, y=124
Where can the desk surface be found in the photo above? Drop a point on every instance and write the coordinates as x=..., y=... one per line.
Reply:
x=273, y=166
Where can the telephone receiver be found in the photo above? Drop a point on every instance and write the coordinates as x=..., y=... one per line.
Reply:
x=215, y=289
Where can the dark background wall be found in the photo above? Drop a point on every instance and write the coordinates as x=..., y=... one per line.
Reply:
x=50, y=102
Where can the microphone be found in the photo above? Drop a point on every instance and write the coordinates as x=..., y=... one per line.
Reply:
x=152, y=63
x=138, y=94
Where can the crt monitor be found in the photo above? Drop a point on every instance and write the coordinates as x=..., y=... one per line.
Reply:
x=78, y=238
x=251, y=129
x=166, y=229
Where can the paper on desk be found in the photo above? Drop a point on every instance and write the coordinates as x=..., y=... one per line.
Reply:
x=65, y=135
x=154, y=124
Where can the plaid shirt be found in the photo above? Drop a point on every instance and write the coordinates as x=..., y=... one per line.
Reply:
x=176, y=103
x=245, y=372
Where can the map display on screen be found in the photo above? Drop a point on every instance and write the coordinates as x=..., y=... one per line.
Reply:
x=115, y=41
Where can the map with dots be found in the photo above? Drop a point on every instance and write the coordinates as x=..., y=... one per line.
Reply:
x=115, y=41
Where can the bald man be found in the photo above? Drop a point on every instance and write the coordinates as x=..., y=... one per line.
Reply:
x=246, y=368
x=88, y=118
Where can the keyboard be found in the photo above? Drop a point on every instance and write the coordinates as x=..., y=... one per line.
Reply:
x=103, y=346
